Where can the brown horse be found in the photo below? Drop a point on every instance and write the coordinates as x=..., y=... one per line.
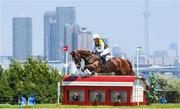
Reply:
x=94, y=64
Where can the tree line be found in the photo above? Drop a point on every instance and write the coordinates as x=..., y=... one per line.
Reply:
x=37, y=78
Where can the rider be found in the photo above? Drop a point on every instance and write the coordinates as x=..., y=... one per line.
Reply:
x=101, y=48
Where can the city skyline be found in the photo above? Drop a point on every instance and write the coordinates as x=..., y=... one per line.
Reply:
x=162, y=26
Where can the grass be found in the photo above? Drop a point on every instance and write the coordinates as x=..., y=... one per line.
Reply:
x=152, y=106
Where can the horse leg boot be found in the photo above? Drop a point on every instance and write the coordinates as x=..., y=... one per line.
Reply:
x=85, y=70
x=89, y=69
x=88, y=72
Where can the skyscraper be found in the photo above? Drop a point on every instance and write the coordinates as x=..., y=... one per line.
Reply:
x=64, y=15
x=174, y=46
x=22, y=37
x=50, y=37
x=70, y=37
x=85, y=39
x=76, y=30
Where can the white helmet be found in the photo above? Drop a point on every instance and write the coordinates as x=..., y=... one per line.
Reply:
x=96, y=36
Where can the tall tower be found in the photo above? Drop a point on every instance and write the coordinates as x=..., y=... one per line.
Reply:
x=22, y=37
x=146, y=15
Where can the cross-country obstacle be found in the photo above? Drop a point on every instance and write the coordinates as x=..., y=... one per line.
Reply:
x=104, y=90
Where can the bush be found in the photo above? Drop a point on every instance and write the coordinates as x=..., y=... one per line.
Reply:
x=170, y=87
x=167, y=82
x=34, y=77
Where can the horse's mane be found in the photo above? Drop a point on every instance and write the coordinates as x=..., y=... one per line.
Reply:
x=87, y=52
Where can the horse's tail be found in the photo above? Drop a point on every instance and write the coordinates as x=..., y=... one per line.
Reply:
x=131, y=68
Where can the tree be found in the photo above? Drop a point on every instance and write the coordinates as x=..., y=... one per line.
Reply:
x=6, y=92
x=153, y=93
x=34, y=77
x=1, y=71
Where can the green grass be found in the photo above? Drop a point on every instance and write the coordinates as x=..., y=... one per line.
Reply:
x=152, y=106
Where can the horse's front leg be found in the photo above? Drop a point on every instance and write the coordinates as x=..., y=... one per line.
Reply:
x=90, y=67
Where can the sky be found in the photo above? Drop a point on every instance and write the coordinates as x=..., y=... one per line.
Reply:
x=121, y=21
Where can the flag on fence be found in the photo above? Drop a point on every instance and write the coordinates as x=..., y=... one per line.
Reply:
x=65, y=48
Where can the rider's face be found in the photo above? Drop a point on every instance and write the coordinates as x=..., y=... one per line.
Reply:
x=96, y=41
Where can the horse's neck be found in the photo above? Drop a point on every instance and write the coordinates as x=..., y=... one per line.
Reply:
x=84, y=55
x=87, y=56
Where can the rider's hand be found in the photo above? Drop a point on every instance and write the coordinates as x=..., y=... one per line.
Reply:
x=94, y=52
x=98, y=56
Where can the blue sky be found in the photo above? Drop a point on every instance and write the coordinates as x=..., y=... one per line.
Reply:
x=121, y=21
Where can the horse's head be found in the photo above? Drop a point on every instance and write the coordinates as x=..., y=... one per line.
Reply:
x=77, y=58
x=86, y=55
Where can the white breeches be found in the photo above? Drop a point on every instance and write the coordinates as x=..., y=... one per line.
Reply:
x=107, y=53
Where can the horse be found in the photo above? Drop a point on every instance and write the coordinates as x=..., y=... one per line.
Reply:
x=93, y=63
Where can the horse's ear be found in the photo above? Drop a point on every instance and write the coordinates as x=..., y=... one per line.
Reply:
x=72, y=53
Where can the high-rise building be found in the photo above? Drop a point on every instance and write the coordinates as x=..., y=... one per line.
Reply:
x=174, y=46
x=85, y=39
x=70, y=37
x=116, y=51
x=76, y=30
x=50, y=38
x=64, y=15
x=22, y=37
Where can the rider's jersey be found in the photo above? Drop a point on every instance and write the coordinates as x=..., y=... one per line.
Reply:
x=101, y=46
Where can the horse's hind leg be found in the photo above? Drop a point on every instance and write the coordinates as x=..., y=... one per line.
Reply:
x=107, y=69
x=132, y=73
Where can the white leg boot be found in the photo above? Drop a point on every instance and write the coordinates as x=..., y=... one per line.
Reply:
x=88, y=72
